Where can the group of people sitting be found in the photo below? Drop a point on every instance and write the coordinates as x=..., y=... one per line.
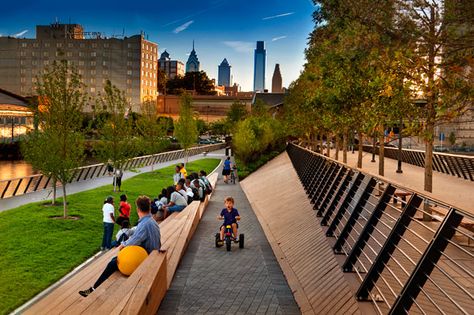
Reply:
x=187, y=188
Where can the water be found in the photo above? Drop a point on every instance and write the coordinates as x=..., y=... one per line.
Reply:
x=15, y=169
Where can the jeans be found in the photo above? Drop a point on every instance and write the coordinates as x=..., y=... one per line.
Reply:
x=108, y=271
x=175, y=208
x=108, y=232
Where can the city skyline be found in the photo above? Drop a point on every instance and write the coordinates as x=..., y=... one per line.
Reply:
x=220, y=29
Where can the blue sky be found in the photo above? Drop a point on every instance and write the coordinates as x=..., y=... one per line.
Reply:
x=221, y=28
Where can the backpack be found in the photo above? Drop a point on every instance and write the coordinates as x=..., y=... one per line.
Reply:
x=154, y=207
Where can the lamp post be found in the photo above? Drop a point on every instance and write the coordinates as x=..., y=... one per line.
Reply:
x=374, y=143
x=399, y=164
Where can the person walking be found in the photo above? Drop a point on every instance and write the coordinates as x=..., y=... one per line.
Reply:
x=226, y=170
x=108, y=212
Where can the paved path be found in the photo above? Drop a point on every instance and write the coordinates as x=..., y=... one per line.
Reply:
x=243, y=281
x=450, y=189
x=13, y=202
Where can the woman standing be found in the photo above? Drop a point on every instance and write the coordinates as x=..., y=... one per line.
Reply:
x=108, y=211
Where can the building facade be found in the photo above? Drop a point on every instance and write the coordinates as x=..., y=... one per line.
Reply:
x=224, y=73
x=259, y=67
x=129, y=63
x=192, y=65
x=172, y=68
x=276, y=80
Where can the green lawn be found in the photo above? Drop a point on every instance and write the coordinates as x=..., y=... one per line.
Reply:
x=36, y=251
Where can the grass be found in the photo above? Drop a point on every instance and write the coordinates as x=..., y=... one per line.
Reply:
x=36, y=250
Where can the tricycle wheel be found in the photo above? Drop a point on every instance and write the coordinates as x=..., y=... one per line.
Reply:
x=241, y=241
x=228, y=243
x=218, y=239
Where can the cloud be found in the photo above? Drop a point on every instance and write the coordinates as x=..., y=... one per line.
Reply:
x=20, y=34
x=278, y=16
x=239, y=46
x=274, y=39
x=183, y=27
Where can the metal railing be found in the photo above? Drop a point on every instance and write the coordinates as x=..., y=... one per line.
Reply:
x=461, y=166
x=28, y=184
x=403, y=263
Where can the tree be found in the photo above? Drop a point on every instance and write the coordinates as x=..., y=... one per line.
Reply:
x=117, y=142
x=151, y=130
x=57, y=148
x=237, y=112
x=185, y=128
x=162, y=81
x=198, y=82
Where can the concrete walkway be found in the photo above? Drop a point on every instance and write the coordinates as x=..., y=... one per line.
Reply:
x=13, y=202
x=243, y=281
x=447, y=188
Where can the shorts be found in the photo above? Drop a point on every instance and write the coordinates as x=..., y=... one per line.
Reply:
x=225, y=172
x=176, y=208
x=223, y=224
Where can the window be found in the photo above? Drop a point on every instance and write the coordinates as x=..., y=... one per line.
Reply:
x=69, y=54
x=81, y=45
x=23, y=80
x=70, y=45
x=92, y=89
x=80, y=71
x=22, y=53
x=46, y=62
x=45, y=54
x=92, y=80
x=35, y=45
x=93, y=72
x=34, y=62
x=129, y=54
x=129, y=81
x=104, y=63
x=46, y=44
x=81, y=54
x=22, y=71
x=105, y=72
x=93, y=63
x=106, y=45
x=24, y=45
x=93, y=54
x=59, y=45
x=33, y=54
x=94, y=45
x=129, y=45
x=129, y=72
x=81, y=62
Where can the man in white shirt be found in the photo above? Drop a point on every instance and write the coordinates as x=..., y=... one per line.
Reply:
x=108, y=212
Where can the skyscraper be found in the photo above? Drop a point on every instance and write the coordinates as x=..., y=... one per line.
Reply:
x=193, y=63
x=259, y=67
x=224, y=73
x=276, y=80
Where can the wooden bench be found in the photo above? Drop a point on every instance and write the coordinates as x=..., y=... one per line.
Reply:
x=143, y=291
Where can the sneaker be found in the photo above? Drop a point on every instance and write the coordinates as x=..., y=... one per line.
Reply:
x=85, y=293
x=236, y=240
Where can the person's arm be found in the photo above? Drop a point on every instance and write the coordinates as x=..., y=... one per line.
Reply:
x=112, y=217
x=136, y=239
x=221, y=216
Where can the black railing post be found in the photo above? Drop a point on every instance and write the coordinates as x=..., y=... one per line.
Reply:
x=344, y=205
x=326, y=182
x=6, y=188
x=346, y=181
x=321, y=181
x=368, y=228
x=17, y=186
x=389, y=246
x=367, y=189
x=328, y=187
x=427, y=262
x=332, y=190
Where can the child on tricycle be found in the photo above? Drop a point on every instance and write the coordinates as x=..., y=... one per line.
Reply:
x=228, y=230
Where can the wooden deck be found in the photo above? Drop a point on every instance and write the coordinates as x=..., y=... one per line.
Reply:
x=142, y=292
x=298, y=241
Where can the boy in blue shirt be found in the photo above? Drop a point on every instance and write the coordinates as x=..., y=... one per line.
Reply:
x=230, y=216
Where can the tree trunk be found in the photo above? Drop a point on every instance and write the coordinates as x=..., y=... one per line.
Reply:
x=359, y=157
x=53, y=202
x=328, y=145
x=344, y=146
x=336, y=142
x=64, y=200
x=186, y=157
x=381, y=154
x=428, y=168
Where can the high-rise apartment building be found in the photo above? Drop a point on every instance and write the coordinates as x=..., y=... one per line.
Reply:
x=259, y=67
x=172, y=68
x=192, y=65
x=224, y=73
x=129, y=63
x=276, y=80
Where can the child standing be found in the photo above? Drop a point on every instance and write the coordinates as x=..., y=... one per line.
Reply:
x=230, y=216
x=124, y=210
x=109, y=220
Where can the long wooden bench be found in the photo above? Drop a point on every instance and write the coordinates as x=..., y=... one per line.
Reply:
x=143, y=291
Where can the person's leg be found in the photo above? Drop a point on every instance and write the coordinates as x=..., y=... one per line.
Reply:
x=104, y=237
x=222, y=233
x=112, y=267
x=175, y=208
x=234, y=230
x=110, y=232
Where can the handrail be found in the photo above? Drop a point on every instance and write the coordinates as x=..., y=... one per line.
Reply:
x=23, y=185
x=461, y=166
x=403, y=262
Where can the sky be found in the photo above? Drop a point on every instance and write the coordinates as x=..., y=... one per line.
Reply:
x=220, y=28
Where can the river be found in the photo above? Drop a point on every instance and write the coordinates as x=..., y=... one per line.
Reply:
x=15, y=169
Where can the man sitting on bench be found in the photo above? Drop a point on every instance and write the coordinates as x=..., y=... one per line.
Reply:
x=147, y=235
